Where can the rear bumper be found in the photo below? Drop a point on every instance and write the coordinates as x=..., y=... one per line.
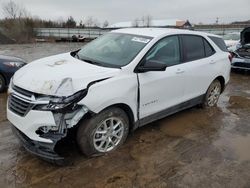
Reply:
x=45, y=151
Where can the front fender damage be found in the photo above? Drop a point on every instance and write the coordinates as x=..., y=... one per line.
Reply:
x=65, y=122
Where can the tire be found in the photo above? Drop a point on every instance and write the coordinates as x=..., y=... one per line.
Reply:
x=212, y=94
x=95, y=136
x=2, y=83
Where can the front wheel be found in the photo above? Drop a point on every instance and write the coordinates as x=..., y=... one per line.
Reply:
x=103, y=133
x=213, y=94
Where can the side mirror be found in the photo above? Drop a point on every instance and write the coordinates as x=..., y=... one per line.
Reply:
x=151, y=65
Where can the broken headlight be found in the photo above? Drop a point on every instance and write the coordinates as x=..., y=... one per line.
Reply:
x=14, y=64
x=59, y=103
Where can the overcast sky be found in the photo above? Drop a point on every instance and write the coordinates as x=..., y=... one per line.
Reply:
x=196, y=11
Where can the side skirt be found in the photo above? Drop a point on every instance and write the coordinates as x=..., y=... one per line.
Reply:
x=171, y=110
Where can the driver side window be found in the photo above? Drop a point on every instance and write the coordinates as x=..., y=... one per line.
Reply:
x=166, y=51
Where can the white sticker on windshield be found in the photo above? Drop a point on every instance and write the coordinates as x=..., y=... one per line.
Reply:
x=139, y=39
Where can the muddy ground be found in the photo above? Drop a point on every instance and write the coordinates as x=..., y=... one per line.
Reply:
x=193, y=148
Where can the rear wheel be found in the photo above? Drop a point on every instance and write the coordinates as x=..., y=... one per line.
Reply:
x=213, y=94
x=103, y=133
x=2, y=83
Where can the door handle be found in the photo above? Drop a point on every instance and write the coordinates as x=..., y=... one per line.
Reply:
x=212, y=62
x=179, y=71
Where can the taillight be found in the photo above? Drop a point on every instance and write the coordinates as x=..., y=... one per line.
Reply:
x=230, y=57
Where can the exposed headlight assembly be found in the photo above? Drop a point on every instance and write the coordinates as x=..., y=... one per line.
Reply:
x=62, y=103
x=16, y=64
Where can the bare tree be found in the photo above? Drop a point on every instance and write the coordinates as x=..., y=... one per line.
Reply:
x=14, y=11
x=18, y=23
x=81, y=24
x=136, y=23
x=23, y=13
x=143, y=21
x=148, y=20
x=105, y=24
x=11, y=9
x=60, y=21
x=96, y=23
x=217, y=21
x=89, y=22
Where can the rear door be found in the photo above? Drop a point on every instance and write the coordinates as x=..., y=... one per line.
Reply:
x=199, y=63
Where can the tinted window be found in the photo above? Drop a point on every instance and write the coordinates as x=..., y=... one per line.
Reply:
x=220, y=43
x=193, y=47
x=208, y=48
x=166, y=51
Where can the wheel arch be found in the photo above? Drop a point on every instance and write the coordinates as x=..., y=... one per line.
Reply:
x=222, y=82
x=126, y=108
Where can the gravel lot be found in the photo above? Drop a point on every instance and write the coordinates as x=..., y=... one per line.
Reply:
x=193, y=148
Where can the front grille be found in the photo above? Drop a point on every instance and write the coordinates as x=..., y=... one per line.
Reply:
x=239, y=64
x=22, y=91
x=18, y=106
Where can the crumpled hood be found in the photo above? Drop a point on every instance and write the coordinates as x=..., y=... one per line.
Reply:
x=60, y=75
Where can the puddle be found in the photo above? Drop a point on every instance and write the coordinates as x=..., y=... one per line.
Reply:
x=239, y=102
x=241, y=147
x=234, y=147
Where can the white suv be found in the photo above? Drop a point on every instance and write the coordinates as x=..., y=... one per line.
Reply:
x=114, y=84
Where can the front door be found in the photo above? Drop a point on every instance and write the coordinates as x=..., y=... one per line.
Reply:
x=160, y=90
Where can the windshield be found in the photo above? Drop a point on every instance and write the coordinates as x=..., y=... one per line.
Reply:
x=232, y=36
x=113, y=49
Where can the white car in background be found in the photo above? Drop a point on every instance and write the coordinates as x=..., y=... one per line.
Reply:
x=232, y=40
x=121, y=81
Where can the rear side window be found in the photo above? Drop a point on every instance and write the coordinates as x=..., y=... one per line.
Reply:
x=193, y=47
x=220, y=43
x=208, y=48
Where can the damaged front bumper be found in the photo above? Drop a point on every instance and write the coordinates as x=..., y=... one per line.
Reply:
x=41, y=121
x=44, y=150
x=40, y=131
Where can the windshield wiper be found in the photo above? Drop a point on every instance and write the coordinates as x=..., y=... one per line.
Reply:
x=95, y=62
x=91, y=62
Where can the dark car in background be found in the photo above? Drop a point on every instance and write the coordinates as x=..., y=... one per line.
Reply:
x=241, y=56
x=8, y=66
